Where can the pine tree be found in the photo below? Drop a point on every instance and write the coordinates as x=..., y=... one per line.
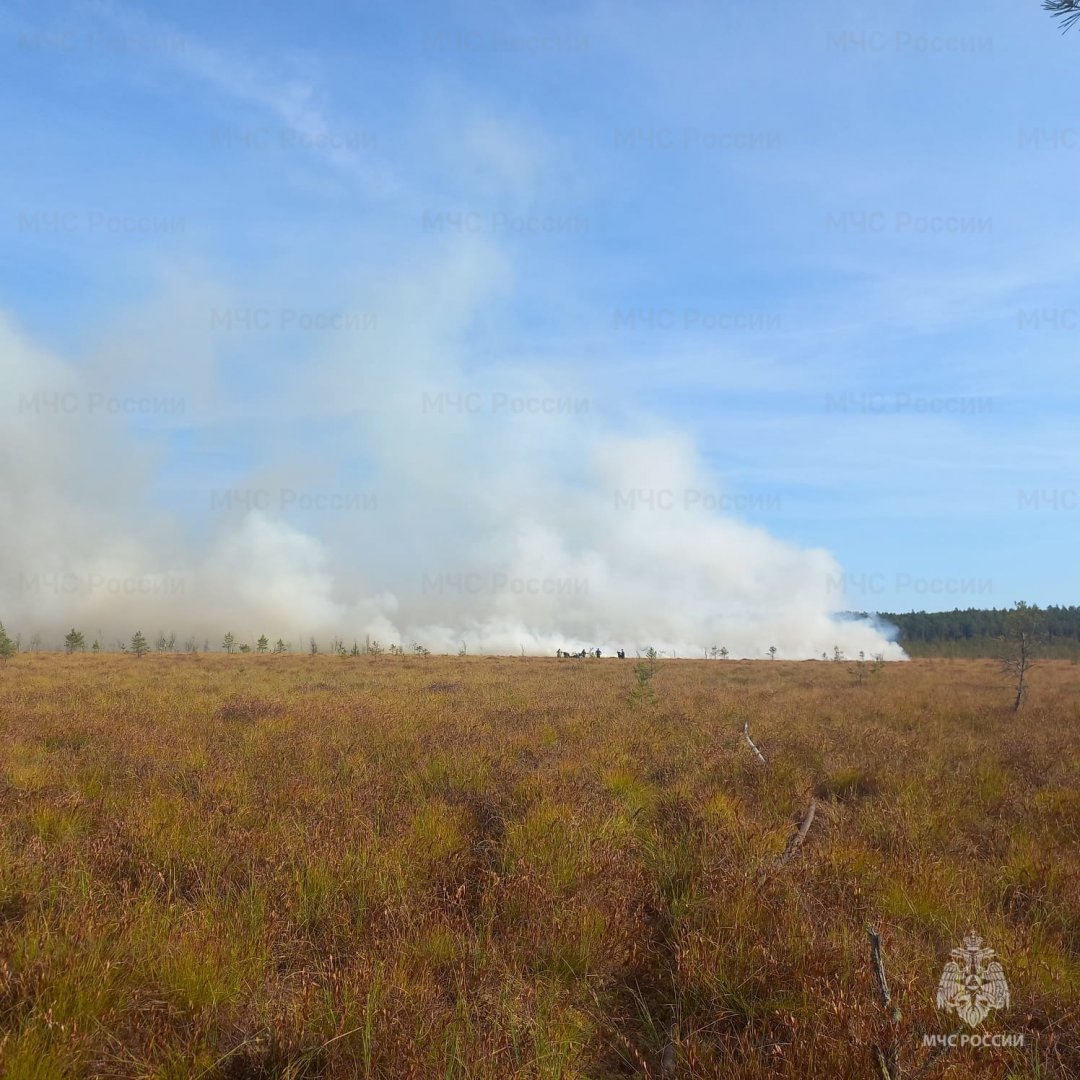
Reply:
x=74, y=642
x=1068, y=11
x=7, y=646
x=262, y=644
x=229, y=643
x=1025, y=625
x=139, y=645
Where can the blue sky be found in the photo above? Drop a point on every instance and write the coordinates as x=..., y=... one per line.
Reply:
x=832, y=249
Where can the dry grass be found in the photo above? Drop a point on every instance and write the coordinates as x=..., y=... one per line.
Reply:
x=255, y=867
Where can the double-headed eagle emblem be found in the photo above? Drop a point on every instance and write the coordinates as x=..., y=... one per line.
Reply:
x=972, y=983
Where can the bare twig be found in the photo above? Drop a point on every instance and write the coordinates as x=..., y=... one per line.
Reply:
x=879, y=973
x=879, y=966
x=799, y=835
x=884, y=1065
x=746, y=733
x=888, y=1057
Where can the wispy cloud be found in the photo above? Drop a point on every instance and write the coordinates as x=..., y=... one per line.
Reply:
x=294, y=103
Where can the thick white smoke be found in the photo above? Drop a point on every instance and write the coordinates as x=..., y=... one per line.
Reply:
x=442, y=501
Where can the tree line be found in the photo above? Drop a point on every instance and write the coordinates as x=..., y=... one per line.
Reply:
x=979, y=631
x=139, y=645
x=972, y=632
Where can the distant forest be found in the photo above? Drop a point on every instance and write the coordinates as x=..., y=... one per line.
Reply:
x=980, y=632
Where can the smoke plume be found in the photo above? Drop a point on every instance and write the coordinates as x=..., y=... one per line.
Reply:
x=223, y=462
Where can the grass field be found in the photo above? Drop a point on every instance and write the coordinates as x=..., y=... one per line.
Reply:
x=255, y=867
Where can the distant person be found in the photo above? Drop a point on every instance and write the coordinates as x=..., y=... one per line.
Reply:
x=597, y=654
x=621, y=654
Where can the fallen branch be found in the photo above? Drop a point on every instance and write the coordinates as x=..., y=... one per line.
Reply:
x=799, y=836
x=746, y=733
x=879, y=973
x=883, y=1065
x=888, y=1060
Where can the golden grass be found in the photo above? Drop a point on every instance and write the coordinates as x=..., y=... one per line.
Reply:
x=254, y=867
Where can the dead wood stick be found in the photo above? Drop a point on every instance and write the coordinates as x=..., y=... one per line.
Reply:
x=799, y=836
x=746, y=733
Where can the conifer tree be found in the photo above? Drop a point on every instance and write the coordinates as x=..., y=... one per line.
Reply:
x=1068, y=11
